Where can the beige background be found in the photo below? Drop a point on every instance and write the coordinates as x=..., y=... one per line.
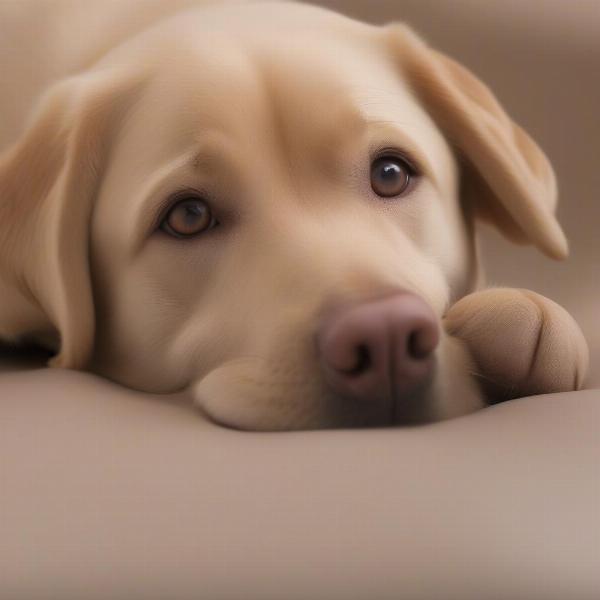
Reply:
x=542, y=58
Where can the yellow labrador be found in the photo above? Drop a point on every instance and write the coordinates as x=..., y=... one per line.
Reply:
x=267, y=204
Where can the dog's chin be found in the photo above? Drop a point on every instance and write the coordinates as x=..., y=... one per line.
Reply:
x=248, y=403
x=246, y=395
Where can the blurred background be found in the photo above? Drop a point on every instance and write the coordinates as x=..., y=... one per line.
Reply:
x=542, y=59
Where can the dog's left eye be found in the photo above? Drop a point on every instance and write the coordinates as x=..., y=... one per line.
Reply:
x=390, y=176
x=188, y=217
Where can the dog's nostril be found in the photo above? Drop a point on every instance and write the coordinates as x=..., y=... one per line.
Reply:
x=363, y=361
x=420, y=344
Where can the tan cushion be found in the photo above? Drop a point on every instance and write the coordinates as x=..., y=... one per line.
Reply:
x=108, y=493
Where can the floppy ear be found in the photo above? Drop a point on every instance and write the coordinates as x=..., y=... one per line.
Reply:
x=508, y=179
x=48, y=181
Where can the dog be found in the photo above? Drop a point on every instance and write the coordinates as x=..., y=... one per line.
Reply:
x=266, y=204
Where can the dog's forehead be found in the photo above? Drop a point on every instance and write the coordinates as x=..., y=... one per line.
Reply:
x=269, y=99
x=254, y=101
x=249, y=81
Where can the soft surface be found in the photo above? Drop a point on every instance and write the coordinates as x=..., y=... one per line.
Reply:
x=108, y=493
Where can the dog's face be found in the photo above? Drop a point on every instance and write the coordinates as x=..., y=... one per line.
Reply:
x=248, y=172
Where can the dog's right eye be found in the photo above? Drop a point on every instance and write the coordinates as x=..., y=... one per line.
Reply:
x=391, y=175
x=188, y=217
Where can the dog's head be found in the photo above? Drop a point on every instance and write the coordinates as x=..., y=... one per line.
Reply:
x=221, y=200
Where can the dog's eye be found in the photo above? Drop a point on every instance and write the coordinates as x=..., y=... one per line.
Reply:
x=390, y=176
x=188, y=217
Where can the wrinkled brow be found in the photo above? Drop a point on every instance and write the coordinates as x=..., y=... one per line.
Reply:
x=206, y=156
x=349, y=124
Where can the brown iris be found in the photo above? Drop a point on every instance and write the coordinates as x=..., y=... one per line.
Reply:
x=188, y=217
x=390, y=176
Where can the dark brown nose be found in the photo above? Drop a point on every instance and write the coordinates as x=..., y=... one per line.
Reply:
x=379, y=350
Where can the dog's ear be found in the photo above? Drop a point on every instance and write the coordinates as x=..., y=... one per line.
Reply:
x=48, y=180
x=507, y=178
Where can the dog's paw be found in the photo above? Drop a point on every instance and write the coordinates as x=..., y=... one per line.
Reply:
x=521, y=342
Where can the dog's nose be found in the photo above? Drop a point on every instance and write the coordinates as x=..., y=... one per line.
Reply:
x=379, y=350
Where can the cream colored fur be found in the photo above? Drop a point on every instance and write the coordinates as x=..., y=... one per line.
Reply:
x=272, y=110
